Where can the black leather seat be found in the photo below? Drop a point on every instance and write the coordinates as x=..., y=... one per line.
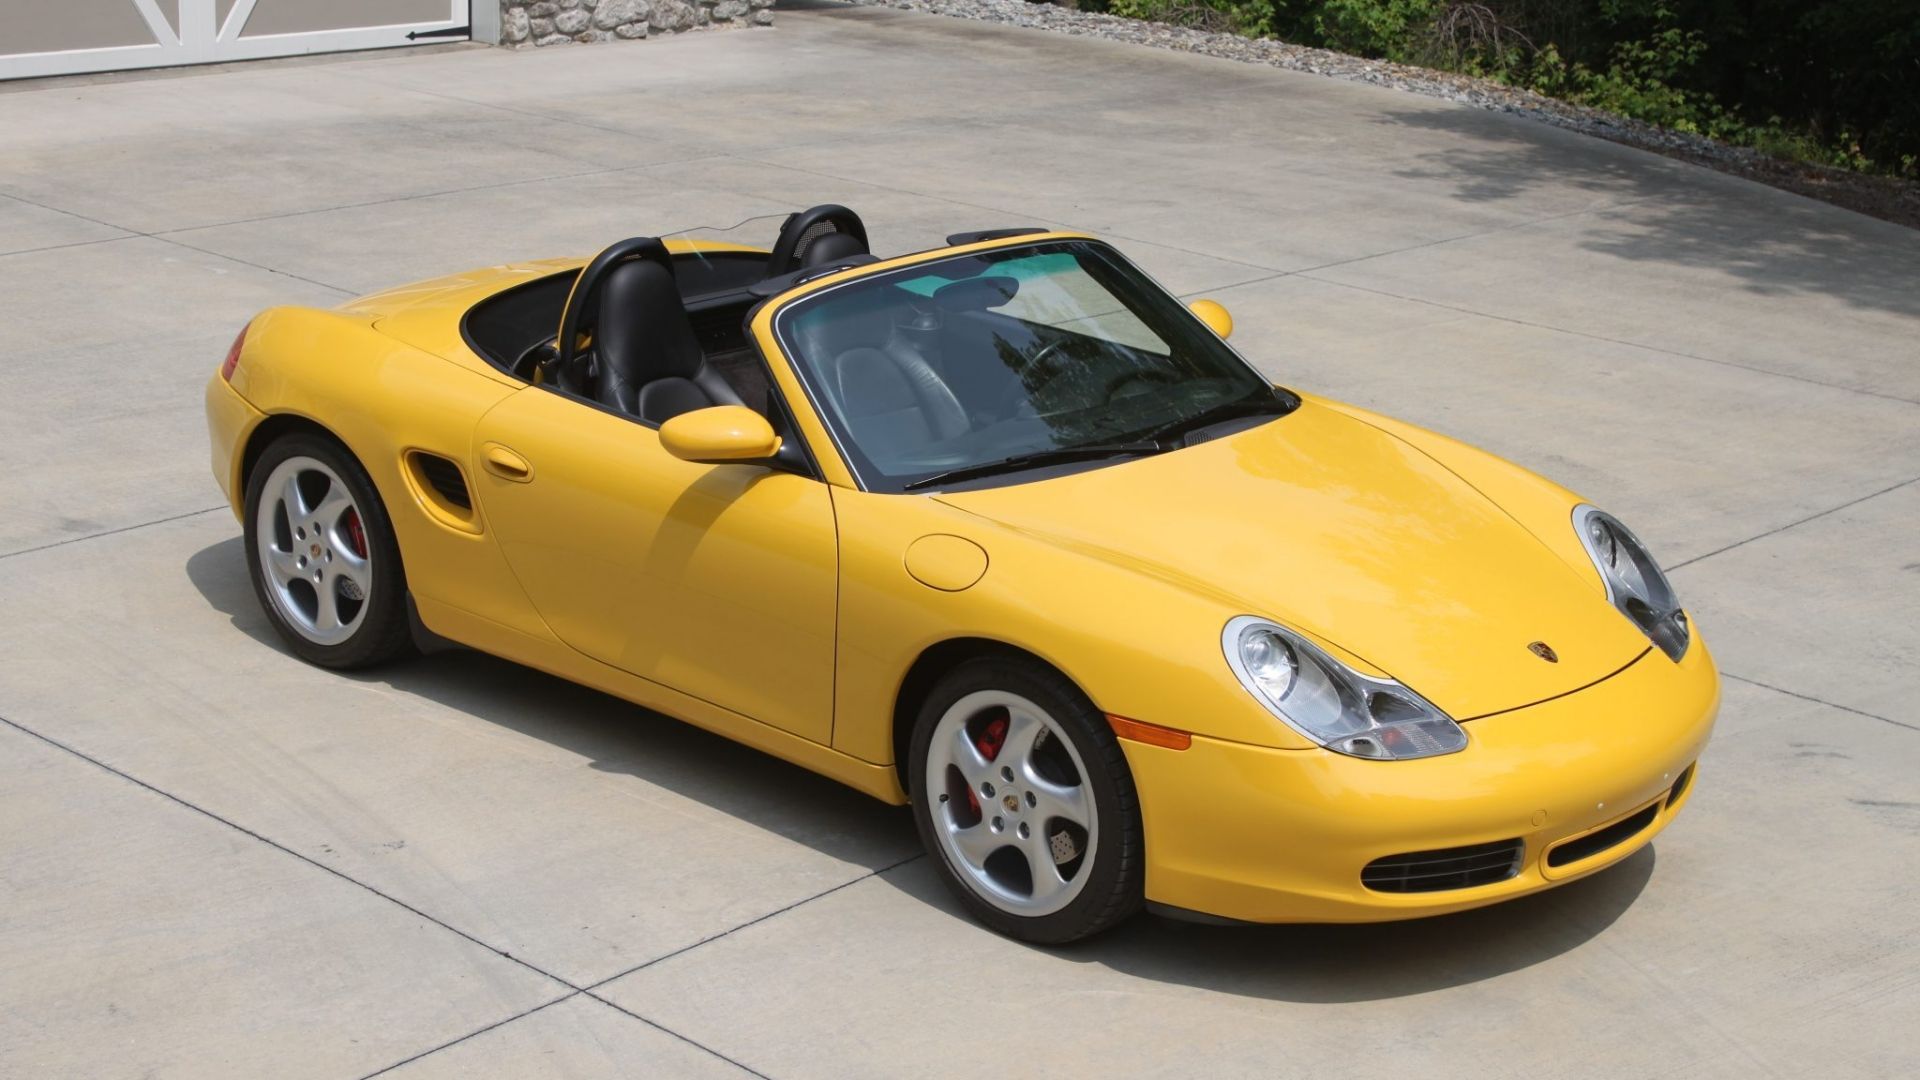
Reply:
x=888, y=392
x=650, y=364
x=894, y=401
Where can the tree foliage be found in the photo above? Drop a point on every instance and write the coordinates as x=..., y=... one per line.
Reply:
x=1836, y=81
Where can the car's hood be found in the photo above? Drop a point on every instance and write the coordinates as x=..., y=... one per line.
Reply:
x=1344, y=532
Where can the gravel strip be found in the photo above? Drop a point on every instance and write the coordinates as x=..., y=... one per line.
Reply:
x=1882, y=197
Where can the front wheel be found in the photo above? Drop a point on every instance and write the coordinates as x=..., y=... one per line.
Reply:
x=322, y=556
x=1025, y=803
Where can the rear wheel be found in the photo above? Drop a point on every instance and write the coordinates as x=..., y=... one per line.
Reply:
x=1025, y=802
x=322, y=555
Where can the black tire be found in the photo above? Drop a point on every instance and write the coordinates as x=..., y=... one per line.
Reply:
x=381, y=633
x=1114, y=873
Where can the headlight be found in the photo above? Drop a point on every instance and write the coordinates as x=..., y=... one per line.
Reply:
x=1634, y=582
x=1329, y=702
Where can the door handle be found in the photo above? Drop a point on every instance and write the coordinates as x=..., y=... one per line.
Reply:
x=505, y=464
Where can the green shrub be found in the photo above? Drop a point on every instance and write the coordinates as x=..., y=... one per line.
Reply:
x=1380, y=28
x=1832, y=81
x=1646, y=78
x=1251, y=18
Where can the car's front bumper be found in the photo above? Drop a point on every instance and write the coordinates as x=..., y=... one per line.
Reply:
x=1263, y=835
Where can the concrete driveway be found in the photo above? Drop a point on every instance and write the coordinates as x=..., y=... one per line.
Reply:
x=217, y=861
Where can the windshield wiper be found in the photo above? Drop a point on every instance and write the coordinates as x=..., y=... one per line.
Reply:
x=1171, y=436
x=1052, y=456
x=1158, y=440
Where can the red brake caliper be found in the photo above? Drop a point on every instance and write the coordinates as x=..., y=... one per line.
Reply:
x=356, y=533
x=993, y=735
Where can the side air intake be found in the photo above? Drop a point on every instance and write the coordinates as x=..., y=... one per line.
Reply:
x=442, y=481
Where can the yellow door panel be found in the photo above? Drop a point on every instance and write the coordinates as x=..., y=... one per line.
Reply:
x=716, y=580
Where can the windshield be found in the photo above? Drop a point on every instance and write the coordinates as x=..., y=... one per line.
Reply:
x=1044, y=351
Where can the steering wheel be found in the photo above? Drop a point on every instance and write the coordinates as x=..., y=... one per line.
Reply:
x=532, y=358
x=1040, y=363
x=583, y=302
x=1147, y=375
x=1017, y=398
x=540, y=363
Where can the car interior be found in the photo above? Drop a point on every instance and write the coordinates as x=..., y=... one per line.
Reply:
x=993, y=356
x=673, y=336
x=649, y=334
x=654, y=334
x=679, y=317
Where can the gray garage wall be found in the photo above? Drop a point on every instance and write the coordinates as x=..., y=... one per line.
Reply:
x=32, y=26
x=295, y=16
x=57, y=37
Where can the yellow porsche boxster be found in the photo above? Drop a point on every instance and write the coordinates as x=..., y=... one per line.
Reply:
x=1001, y=530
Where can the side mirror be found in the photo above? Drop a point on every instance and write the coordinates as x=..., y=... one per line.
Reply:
x=1215, y=316
x=718, y=435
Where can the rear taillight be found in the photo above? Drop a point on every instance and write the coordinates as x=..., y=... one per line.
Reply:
x=233, y=355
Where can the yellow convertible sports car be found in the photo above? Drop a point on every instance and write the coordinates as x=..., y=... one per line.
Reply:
x=1001, y=530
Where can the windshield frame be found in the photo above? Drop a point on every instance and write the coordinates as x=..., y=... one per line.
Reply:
x=783, y=310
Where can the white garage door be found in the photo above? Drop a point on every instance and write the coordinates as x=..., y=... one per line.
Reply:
x=61, y=37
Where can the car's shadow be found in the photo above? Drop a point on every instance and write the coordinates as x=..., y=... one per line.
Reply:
x=1286, y=963
x=615, y=736
x=1326, y=963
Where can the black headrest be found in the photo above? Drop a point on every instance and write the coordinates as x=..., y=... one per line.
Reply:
x=583, y=302
x=643, y=331
x=977, y=294
x=807, y=228
x=832, y=247
x=855, y=323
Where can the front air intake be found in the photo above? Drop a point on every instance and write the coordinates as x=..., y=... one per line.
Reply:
x=1444, y=868
x=1586, y=847
x=1679, y=787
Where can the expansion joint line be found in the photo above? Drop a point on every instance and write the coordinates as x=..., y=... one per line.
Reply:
x=573, y=989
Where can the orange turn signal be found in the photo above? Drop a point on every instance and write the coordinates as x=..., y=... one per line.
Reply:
x=1151, y=734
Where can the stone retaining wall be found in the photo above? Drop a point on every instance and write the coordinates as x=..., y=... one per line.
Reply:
x=553, y=22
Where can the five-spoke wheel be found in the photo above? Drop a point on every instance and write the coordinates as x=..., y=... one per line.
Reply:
x=322, y=554
x=1013, y=811
x=1024, y=798
x=312, y=544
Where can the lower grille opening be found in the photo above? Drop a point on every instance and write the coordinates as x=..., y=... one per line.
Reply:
x=1596, y=842
x=1680, y=786
x=1444, y=868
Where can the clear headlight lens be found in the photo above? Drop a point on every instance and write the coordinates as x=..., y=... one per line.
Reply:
x=1635, y=583
x=1329, y=702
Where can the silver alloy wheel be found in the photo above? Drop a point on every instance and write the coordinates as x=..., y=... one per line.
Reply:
x=1017, y=829
x=312, y=546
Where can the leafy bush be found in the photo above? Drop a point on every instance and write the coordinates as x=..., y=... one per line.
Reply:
x=1833, y=81
x=1474, y=38
x=1645, y=79
x=1384, y=28
x=1253, y=18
